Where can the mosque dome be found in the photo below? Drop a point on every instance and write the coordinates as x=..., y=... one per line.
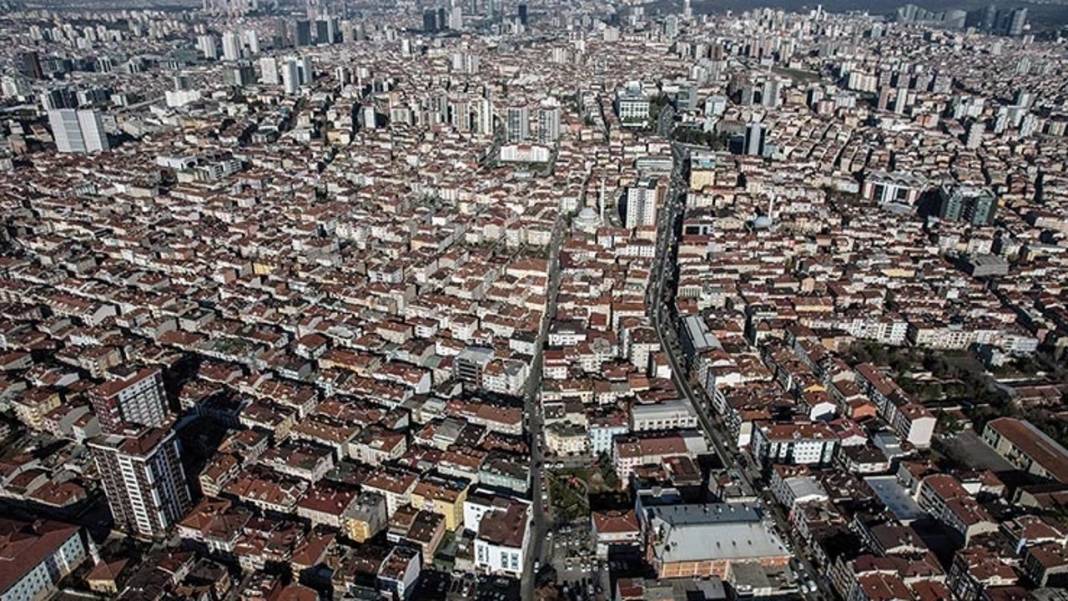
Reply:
x=587, y=220
x=762, y=222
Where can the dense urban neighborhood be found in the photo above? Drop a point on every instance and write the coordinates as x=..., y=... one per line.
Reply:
x=505, y=300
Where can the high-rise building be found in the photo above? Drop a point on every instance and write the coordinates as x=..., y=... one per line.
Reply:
x=231, y=46
x=58, y=98
x=549, y=122
x=975, y=134
x=15, y=87
x=517, y=126
x=456, y=18
x=1023, y=98
x=883, y=103
x=78, y=131
x=642, y=202
x=755, y=137
x=252, y=41
x=291, y=76
x=132, y=396
x=368, y=117
x=29, y=63
x=716, y=105
x=771, y=94
x=671, y=26
x=483, y=122
x=325, y=31
x=240, y=74
x=430, y=20
x=142, y=475
x=1029, y=125
x=269, y=71
x=208, y=48
x=305, y=70
x=1017, y=21
x=351, y=32
x=900, y=100
x=303, y=33
x=521, y=12
x=971, y=204
x=989, y=18
x=280, y=34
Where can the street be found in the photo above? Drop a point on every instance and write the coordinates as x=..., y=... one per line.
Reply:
x=532, y=409
x=663, y=299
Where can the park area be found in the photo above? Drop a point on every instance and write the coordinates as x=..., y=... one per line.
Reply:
x=571, y=489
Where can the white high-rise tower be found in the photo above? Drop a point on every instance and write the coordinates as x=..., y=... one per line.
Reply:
x=78, y=131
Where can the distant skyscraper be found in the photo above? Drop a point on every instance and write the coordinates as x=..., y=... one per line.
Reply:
x=883, y=103
x=517, y=126
x=430, y=20
x=990, y=18
x=78, y=131
x=900, y=100
x=305, y=70
x=1023, y=98
x=456, y=18
x=325, y=31
x=142, y=475
x=770, y=96
x=15, y=87
x=755, y=137
x=549, y=122
x=29, y=64
x=269, y=71
x=208, y=48
x=367, y=116
x=975, y=134
x=291, y=77
x=304, y=33
x=954, y=19
x=231, y=46
x=483, y=116
x=1011, y=21
x=252, y=41
x=521, y=12
x=1017, y=21
x=240, y=74
x=58, y=98
x=1029, y=125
